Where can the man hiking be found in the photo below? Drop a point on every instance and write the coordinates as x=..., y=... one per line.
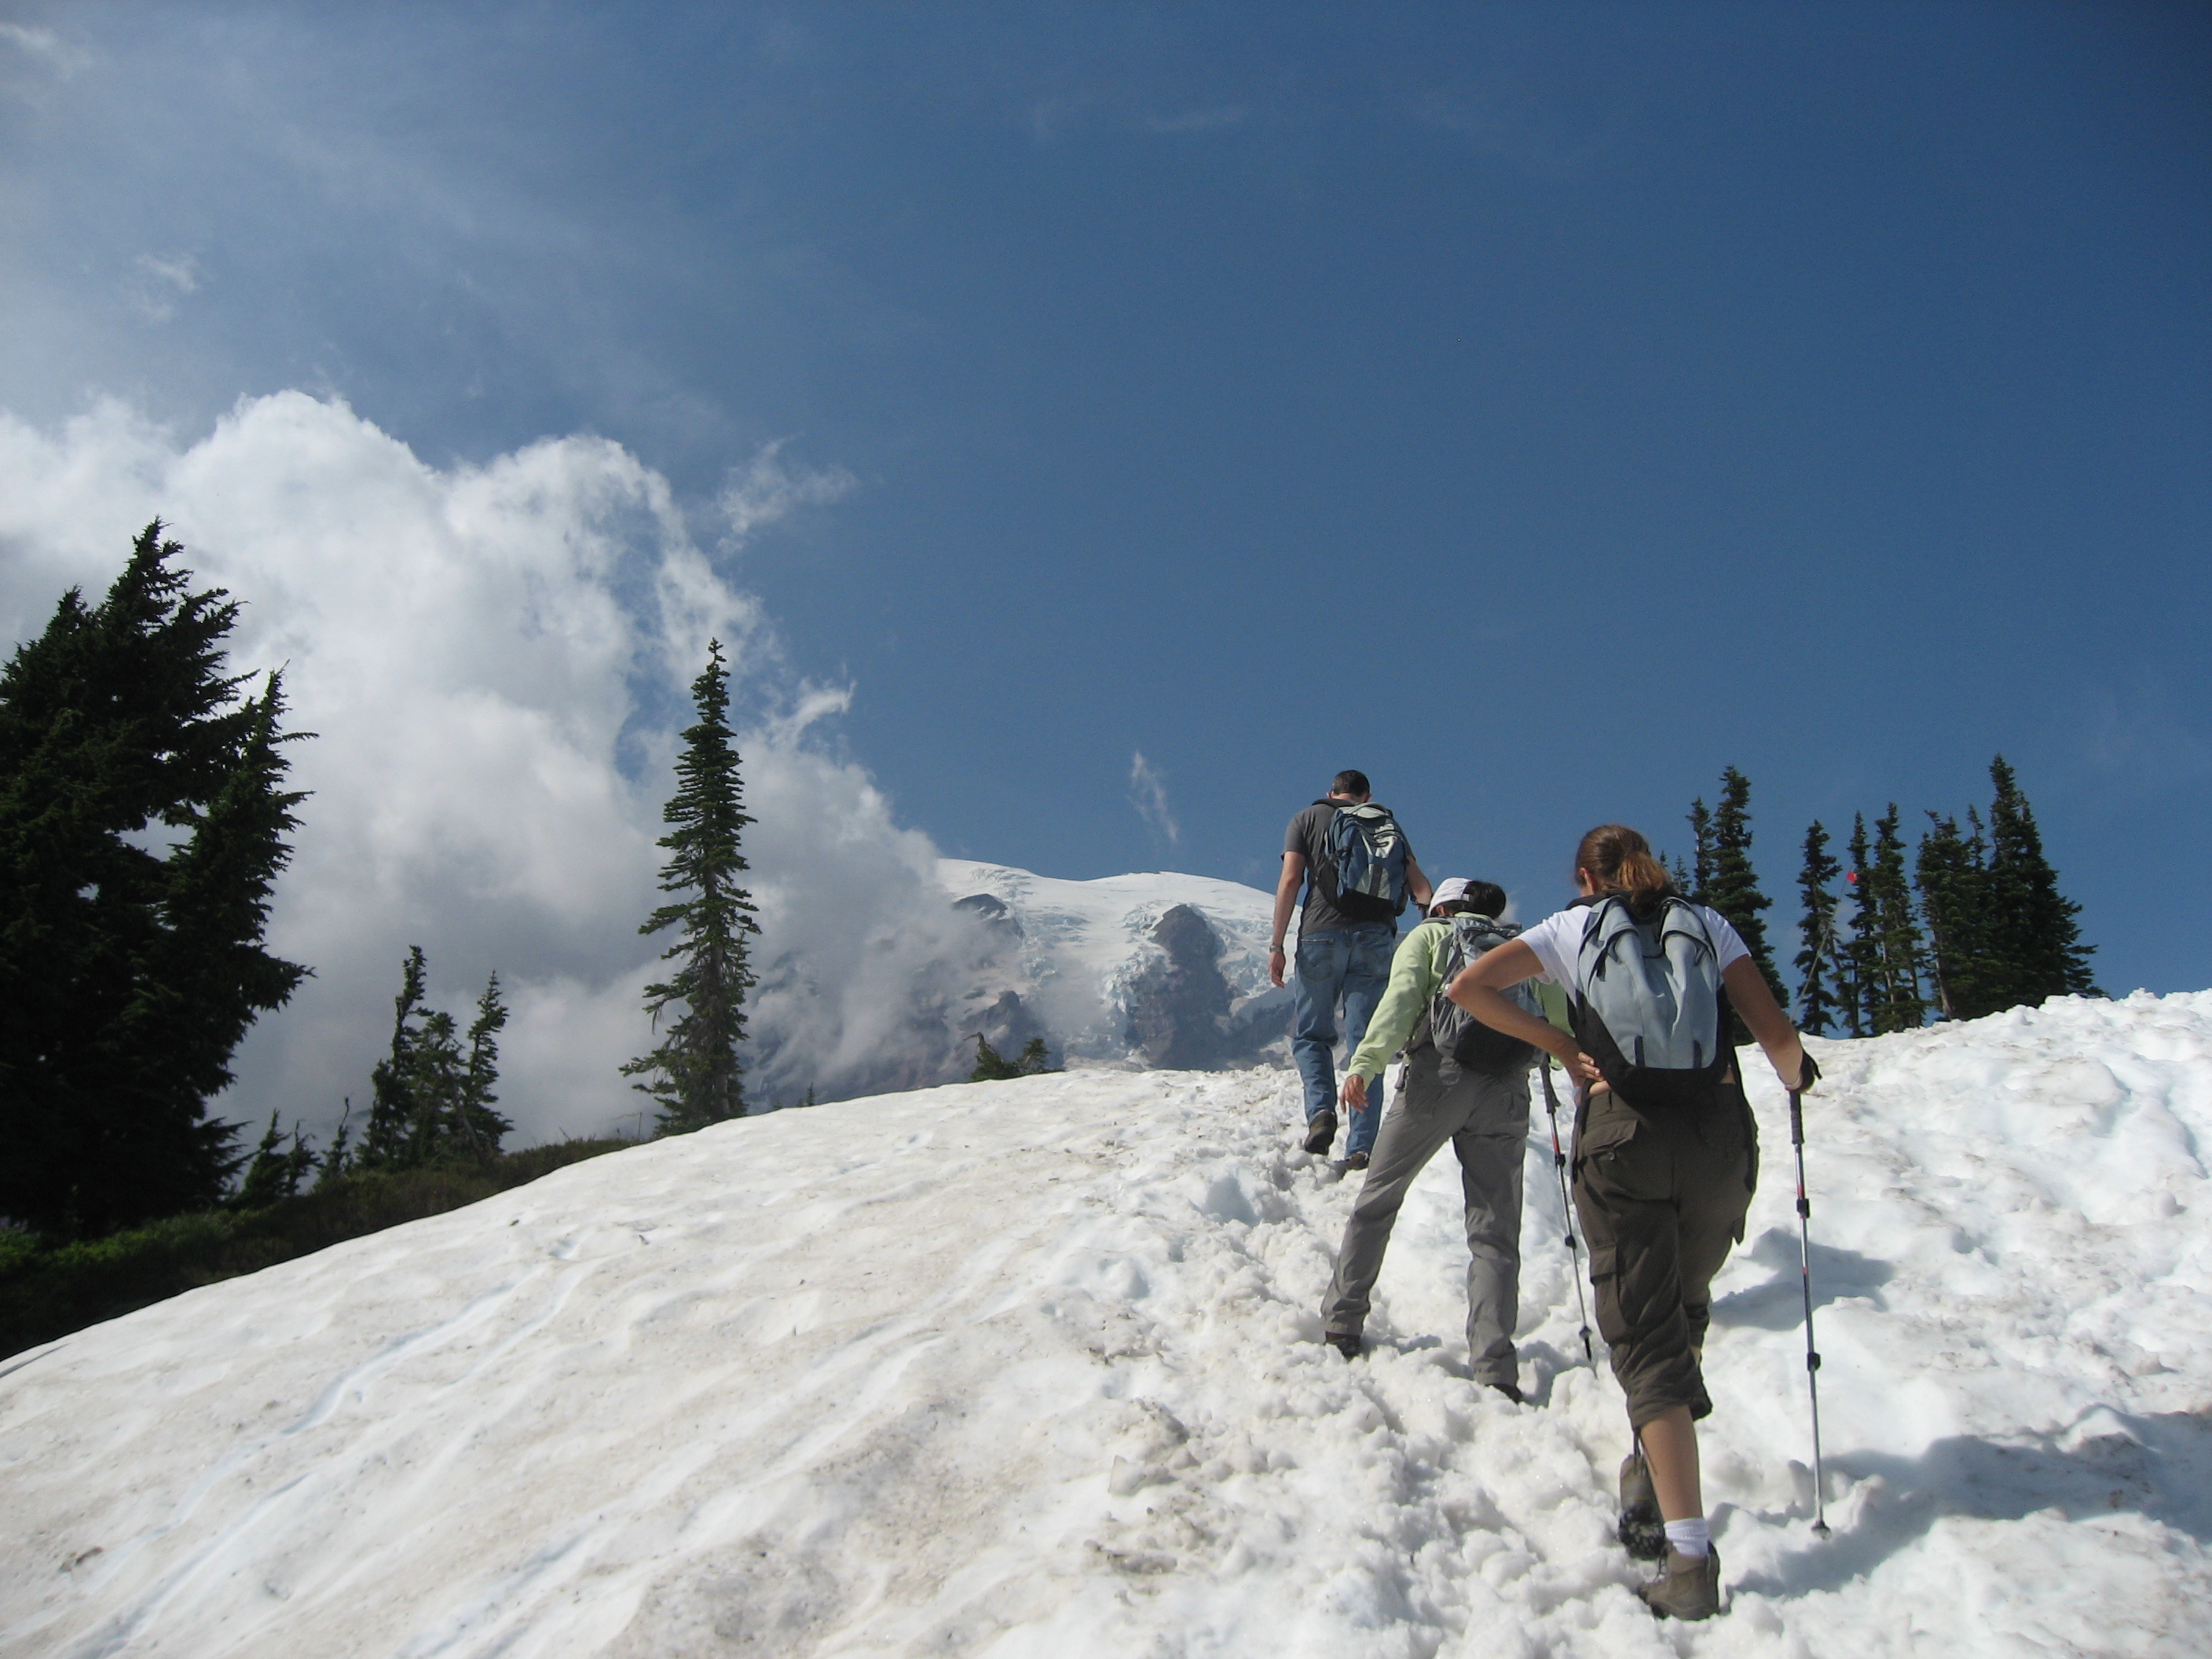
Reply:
x=1357, y=867
x=1462, y=1084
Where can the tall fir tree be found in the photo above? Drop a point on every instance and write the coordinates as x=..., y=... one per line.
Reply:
x=392, y=1110
x=1819, y=970
x=1899, y=1003
x=431, y=1100
x=1701, y=853
x=1862, y=952
x=483, y=1127
x=1731, y=887
x=2035, y=944
x=276, y=1171
x=143, y=823
x=693, y=1073
x=1952, y=873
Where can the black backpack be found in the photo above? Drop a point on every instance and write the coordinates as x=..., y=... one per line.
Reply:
x=1459, y=1037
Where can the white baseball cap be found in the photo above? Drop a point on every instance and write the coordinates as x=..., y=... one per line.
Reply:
x=1450, y=891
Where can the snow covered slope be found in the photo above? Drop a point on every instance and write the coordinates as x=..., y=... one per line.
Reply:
x=1157, y=969
x=1032, y=1368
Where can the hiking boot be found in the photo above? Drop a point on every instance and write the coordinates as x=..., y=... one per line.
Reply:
x=1689, y=1589
x=1641, y=1531
x=1320, y=1131
x=1345, y=1342
x=1511, y=1390
x=1355, y=1160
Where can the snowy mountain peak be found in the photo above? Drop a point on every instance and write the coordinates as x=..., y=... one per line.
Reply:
x=1152, y=969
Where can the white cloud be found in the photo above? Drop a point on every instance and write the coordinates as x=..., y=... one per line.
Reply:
x=155, y=282
x=479, y=649
x=767, y=489
x=1148, y=794
x=45, y=49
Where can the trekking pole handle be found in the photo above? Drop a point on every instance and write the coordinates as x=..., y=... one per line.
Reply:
x=1796, y=1119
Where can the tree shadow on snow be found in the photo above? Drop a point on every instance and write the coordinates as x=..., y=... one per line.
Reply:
x=1778, y=1305
x=2158, y=1466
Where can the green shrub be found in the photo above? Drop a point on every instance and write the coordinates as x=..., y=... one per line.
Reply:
x=47, y=1292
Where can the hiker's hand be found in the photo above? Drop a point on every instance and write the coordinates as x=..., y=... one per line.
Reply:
x=1809, y=1077
x=1581, y=1068
x=1354, y=1092
x=1276, y=964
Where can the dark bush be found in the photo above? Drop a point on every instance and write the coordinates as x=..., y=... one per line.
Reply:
x=49, y=1291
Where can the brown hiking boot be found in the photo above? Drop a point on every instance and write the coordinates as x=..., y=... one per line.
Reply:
x=1689, y=1589
x=1640, y=1531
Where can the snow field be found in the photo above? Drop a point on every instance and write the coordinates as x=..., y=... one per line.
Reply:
x=1033, y=1368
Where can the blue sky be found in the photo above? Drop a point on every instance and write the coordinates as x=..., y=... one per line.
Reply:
x=1540, y=408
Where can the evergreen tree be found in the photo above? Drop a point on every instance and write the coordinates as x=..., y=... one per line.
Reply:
x=1862, y=952
x=1898, y=1004
x=431, y=1102
x=276, y=1169
x=1730, y=885
x=991, y=1067
x=1819, y=970
x=2035, y=943
x=343, y=1156
x=1701, y=853
x=1952, y=873
x=482, y=1128
x=143, y=820
x=693, y=1075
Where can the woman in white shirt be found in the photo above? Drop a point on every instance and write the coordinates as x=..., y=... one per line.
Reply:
x=1661, y=1194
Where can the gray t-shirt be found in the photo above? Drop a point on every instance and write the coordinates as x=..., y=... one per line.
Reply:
x=1309, y=835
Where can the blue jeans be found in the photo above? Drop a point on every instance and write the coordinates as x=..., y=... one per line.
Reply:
x=1351, y=967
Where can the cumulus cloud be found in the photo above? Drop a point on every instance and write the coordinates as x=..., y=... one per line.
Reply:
x=1148, y=794
x=767, y=489
x=496, y=660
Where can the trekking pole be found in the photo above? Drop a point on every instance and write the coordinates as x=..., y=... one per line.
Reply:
x=1567, y=1208
x=1805, y=1274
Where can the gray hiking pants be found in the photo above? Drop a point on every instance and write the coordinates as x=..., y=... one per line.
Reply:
x=1486, y=1121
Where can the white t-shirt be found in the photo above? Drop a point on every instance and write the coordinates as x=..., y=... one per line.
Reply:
x=1558, y=940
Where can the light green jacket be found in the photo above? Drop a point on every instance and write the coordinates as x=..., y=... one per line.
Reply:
x=1417, y=972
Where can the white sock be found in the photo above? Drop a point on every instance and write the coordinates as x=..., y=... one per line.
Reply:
x=1691, y=1537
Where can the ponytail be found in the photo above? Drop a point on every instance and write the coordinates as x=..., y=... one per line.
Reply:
x=1620, y=860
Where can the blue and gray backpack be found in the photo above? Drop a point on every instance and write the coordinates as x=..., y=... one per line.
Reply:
x=1366, y=864
x=1649, y=1006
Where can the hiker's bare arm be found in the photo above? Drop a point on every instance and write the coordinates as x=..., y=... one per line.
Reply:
x=1749, y=991
x=1286, y=898
x=1416, y=883
x=1477, y=989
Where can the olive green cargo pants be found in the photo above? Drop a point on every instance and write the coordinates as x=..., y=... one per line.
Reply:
x=1661, y=1196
